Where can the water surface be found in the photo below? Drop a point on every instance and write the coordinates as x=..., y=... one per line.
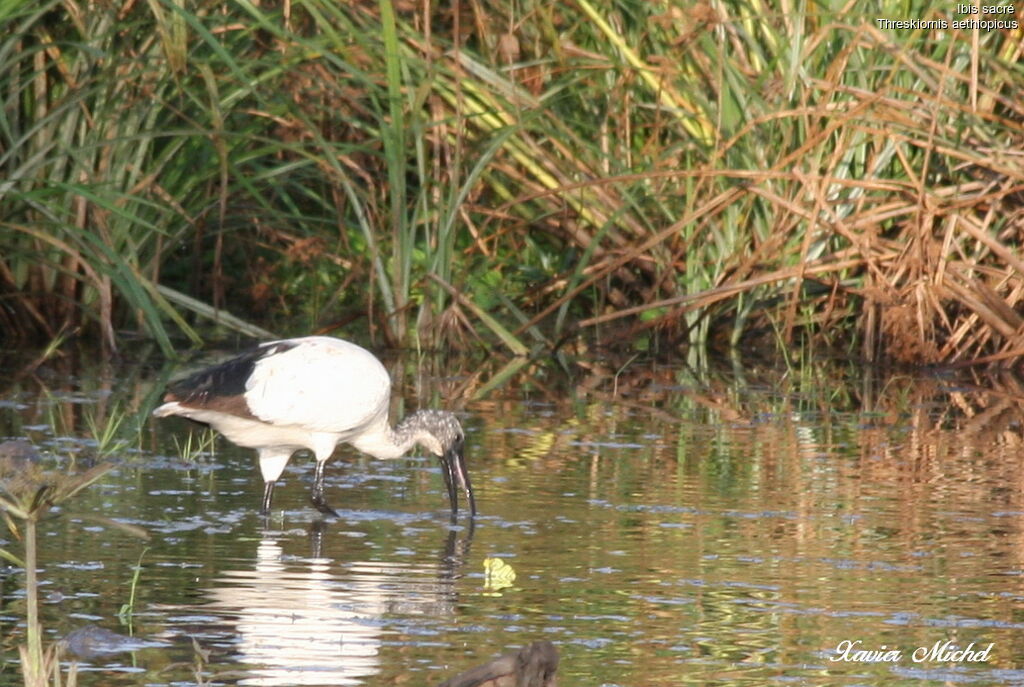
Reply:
x=665, y=528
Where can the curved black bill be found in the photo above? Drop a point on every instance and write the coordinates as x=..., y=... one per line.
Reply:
x=453, y=467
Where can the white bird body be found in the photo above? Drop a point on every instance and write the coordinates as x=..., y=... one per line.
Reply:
x=312, y=393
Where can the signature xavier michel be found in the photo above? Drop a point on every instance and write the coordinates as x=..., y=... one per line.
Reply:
x=939, y=652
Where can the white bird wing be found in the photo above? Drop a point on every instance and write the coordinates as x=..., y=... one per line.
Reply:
x=321, y=384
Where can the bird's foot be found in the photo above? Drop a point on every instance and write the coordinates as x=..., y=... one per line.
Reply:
x=321, y=505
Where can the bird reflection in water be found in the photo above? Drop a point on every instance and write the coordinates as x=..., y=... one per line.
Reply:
x=319, y=621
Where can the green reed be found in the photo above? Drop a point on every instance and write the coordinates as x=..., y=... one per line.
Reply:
x=707, y=175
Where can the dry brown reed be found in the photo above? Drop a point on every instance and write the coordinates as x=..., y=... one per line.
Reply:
x=718, y=175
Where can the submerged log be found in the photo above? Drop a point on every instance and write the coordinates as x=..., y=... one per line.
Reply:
x=531, y=666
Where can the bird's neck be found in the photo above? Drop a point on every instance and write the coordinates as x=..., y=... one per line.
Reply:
x=381, y=441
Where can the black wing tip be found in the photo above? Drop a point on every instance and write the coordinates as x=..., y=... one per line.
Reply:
x=224, y=379
x=223, y=386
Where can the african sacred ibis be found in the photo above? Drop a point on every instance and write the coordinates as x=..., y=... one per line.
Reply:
x=314, y=393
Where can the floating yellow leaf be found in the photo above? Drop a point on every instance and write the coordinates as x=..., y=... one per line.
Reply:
x=498, y=574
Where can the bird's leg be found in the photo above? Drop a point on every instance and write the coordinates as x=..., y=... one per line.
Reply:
x=268, y=494
x=318, y=491
x=272, y=461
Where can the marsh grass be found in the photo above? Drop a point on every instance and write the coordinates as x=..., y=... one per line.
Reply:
x=127, y=610
x=717, y=175
x=197, y=443
x=106, y=430
x=103, y=428
x=28, y=492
